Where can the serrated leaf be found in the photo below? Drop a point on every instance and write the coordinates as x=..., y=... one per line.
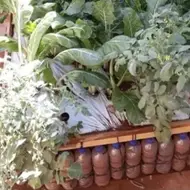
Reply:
x=161, y=90
x=39, y=31
x=117, y=44
x=132, y=67
x=54, y=38
x=132, y=22
x=181, y=83
x=75, y=171
x=81, y=55
x=165, y=73
x=90, y=77
x=153, y=5
x=104, y=12
x=129, y=102
x=75, y=7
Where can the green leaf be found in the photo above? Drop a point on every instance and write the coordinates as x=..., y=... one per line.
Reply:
x=156, y=86
x=83, y=31
x=104, y=12
x=35, y=183
x=117, y=44
x=129, y=102
x=2, y=18
x=36, y=36
x=181, y=83
x=26, y=14
x=142, y=102
x=90, y=77
x=59, y=39
x=132, y=67
x=161, y=90
x=8, y=44
x=47, y=156
x=165, y=73
x=61, y=159
x=153, y=5
x=75, y=171
x=177, y=38
x=48, y=75
x=161, y=112
x=132, y=22
x=150, y=111
x=83, y=56
x=75, y=7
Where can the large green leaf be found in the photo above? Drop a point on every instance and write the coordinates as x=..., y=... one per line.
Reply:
x=132, y=22
x=83, y=56
x=166, y=73
x=117, y=44
x=129, y=102
x=75, y=171
x=89, y=77
x=104, y=11
x=36, y=36
x=154, y=4
x=75, y=7
x=80, y=31
x=8, y=44
x=54, y=38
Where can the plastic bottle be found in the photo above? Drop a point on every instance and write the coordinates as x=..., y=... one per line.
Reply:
x=117, y=159
x=149, y=154
x=100, y=161
x=164, y=158
x=84, y=157
x=133, y=158
x=182, y=144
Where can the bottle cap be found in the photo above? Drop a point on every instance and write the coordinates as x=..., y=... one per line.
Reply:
x=183, y=136
x=82, y=150
x=99, y=148
x=150, y=140
x=133, y=142
x=116, y=145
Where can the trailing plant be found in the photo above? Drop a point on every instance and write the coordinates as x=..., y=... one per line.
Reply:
x=30, y=129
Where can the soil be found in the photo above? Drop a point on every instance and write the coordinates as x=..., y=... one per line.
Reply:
x=174, y=181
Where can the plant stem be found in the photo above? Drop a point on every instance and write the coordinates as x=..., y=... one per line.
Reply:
x=122, y=78
x=111, y=74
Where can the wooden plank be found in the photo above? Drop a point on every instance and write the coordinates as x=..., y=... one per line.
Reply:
x=109, y=137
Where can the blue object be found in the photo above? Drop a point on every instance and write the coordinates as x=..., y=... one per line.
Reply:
x=116, y=145
x=99, y=148
x=150, y=140
x=183, y=136
x=82, y=150
x=133, y=142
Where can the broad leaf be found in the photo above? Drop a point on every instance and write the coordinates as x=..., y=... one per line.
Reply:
x=104, y=12
x=36, y=36
x=92, y=78
x=165, y=73
x=8, y=44
x=75, y=171
x=75, y=7
x=153, y=5
x=129, y=102
x=132, y=22
x=83, y=56
x=117, y=44
x=53, y=38
x=80, y=31
x=181, y=83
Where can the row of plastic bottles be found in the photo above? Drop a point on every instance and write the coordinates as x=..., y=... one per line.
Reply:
x=130, y=159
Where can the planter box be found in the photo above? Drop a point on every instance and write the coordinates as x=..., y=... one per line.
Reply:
x=123, y=134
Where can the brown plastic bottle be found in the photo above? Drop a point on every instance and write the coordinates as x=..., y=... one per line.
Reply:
x=164, y=158
x=84, y=157
x=117, y=159
x=133, y=158
x=100, y=161
x=149, y=154
x=69, y=184
x=182, y=144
